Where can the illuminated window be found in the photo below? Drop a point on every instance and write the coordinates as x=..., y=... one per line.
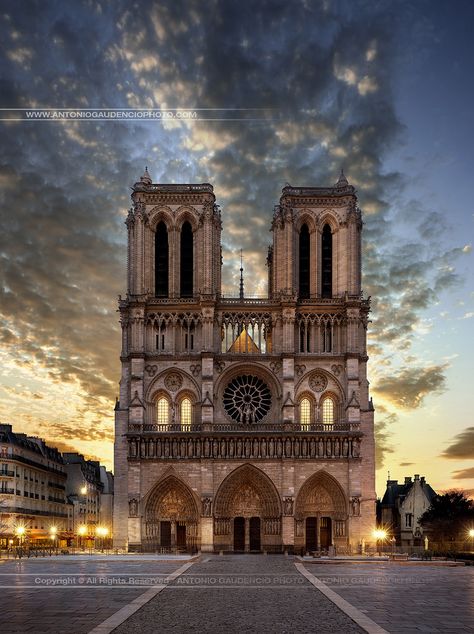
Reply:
x=186, y=413
x=328, y=411
x=305, y=412
x=162, y=411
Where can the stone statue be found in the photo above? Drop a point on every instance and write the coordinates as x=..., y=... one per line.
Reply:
x=288, y=506
x=355, y=502
x=133, y=508
x=206, y=507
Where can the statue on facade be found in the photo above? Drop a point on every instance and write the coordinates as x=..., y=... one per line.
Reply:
x=206, y=507
x=288, y=506
x=133, y=508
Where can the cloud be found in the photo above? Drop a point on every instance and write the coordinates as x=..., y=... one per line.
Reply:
x=462, y=446
x=383, y=426
x=464, y=474
x=406, y=464
x=408, y=387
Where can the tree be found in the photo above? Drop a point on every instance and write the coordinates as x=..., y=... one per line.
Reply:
x=449, y=517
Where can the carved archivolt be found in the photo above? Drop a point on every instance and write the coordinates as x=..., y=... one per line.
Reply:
x=171, y=500
x=321, y=494
x=247, y=491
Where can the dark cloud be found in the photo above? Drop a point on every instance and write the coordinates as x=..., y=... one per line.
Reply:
x=408, y=387
x=462, y=446
x=464, y=474
x=406, y=464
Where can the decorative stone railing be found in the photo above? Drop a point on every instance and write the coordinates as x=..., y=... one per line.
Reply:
x=244, y=429
x=238, y=447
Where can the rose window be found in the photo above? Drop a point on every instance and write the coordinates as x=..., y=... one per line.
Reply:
x=247, y=399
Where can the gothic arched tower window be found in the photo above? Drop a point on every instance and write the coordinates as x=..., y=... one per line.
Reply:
x=304, y=261
x=161, y=260
x=326, y=262
x=187, y=264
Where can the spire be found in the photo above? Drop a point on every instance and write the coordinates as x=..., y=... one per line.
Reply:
x=342, y=182
x=241, y=294
x=146, y=178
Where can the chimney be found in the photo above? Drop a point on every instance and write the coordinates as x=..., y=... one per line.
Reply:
x=408, y=480
x=422, y=479
x=417, y=476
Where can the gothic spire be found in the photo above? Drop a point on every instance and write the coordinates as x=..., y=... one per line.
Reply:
x=146, y=178
x=342, y=182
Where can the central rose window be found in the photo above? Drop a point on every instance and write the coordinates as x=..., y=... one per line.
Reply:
x=247, y=399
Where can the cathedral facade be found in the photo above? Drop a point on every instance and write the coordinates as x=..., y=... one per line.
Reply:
x=244, y=424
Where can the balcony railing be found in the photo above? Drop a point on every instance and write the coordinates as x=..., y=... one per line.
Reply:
x=343, y=426
x=7, y=491
x=6, y=473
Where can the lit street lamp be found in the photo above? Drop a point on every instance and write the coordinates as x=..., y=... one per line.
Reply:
x=20, y=533
x=53, y=533
x=380, y=536
x=471, y=535
x=81, y=531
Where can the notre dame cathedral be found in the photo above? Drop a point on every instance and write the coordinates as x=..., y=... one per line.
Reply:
x=244, y=424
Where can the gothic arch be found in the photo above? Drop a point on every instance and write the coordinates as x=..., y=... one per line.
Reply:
x=247, y=491
x=336, y=390
x=329, y=217
x=321, y=494
x=156, y=385
x=305, y=218
x=171, y=499
x=159, y=213
x=186, y=213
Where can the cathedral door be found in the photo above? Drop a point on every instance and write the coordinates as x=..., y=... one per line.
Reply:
x=239, y=533
x=325, y=533
x=165, y=534
x=311, y=537
x=181, y=536
x=254, y=533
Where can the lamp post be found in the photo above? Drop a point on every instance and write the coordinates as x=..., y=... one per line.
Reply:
x=53, y=534
x=102, y=532
x=380, y=536
x=471, y=535
x=20, y=533
x=81, y=531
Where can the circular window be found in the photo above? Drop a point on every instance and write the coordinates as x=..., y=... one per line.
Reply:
x=247, y=399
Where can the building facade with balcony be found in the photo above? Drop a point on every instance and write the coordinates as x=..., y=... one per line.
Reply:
x=84, y=489
x=32, y=490
x=243, y=424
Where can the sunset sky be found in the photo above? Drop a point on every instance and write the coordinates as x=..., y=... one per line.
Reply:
x=383, y=89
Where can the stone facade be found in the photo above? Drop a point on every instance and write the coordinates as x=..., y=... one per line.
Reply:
x=243, y=423
x=401, y=508
x=32, y=490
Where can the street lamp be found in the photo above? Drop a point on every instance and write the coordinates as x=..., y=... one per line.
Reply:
x=380, y=536
x=102, y=532
x=81, y=531
x=84, y=490
x=20, y=531
x=471, y=535
x=53, y=533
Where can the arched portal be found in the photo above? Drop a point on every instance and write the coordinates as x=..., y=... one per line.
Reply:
x=171, y=517
x=320, y=514
x=247, y=512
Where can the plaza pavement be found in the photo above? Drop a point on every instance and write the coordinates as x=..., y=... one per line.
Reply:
x=232, y=593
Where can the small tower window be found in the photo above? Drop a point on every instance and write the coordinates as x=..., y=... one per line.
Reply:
x=305, y=413
x=161, y=260
x=187, y=264
x=304, y=261
x=328, y=411
x=186, y=413
x=326, y=262
x=162, y=411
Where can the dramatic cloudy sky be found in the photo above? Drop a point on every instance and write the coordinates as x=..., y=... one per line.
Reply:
x=384, y=89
